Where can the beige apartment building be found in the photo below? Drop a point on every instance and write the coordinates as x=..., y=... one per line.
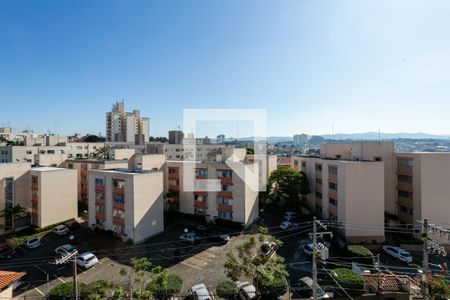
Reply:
x=128, y=202
x=351, y=193
x=14, y=190
x=186, y=152
x=215, y=190
x=53, y=195
x=48, y=155
x=423, y=187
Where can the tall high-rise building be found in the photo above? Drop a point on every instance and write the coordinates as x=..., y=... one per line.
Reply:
x=300, y=139
x=124, y=126
x=175, y=136
x=220, y=139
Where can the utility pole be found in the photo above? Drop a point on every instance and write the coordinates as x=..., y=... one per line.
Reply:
x=315, y=251
x=314, y=263
x=75, y=284
x=425, y=259
x=378, y=274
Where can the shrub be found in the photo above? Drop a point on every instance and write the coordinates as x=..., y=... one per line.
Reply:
x=347, y=277
x=119, y=293
x=163, y=287
x=65, y=290
x=359, y=251
x=271, y=290
x=226, y=289
x=99, y=287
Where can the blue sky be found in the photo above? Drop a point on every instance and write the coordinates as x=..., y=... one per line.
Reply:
x=355, y=65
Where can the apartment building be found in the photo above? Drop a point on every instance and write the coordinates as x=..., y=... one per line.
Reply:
x=128, y=202
x=53, y=195
x=422, y=187
x=175, y=136
x=14, y=190
x=47, y=155
x=186, y=152
x=124, y=126
x=348, y=192
x=214, y=189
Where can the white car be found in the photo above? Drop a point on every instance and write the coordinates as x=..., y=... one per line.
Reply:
x=246, y=291
x=86, y=260
x=60, y=230
x=65, y=249
x=398, y=253
x=286, y=225
x=189, y=237
x=33, y=242
x=290, y=215
x=200, y=292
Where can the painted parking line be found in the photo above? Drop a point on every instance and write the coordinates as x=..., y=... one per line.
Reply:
x=59, y=278
x=39, y=291
x=189, y=265
x=201, y=257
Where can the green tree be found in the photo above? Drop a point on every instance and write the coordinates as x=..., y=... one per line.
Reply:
x=139, y=275
x=103, y=152
x=250, y=151
x=13, y=213
x=287, y=184
x=226, y=289
x=64, y=290
x=439, y=285
x=164, y=285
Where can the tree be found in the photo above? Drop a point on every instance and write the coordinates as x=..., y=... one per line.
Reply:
x=103, y=152
x=164, y=285
x=226, y=289
x=13, y=213
x=269, y=273
x=439, y=285
x=65, y=290
x=286, y=184
x=305, y=189
x=250, y=151
x=140, y=268
x=160, y=139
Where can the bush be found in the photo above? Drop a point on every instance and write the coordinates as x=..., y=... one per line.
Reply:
x=119, y=293
x=99, y=287
x=277, y=287
x=65, y=290
x=347, y=277
x=173, y=287
x=359, y=251
x=226, y=289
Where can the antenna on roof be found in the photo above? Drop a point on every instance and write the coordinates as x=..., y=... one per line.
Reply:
x=379, y=136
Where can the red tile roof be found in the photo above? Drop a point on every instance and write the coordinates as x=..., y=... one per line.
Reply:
x=6, y=278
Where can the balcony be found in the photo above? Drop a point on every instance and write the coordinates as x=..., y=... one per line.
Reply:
x=100, y=215
x=319, y=173
x=405, y=186
x=34, y=186
x=405, y=171
x=332, y=178
x=200, y=177
x=99, y=188
x=118, y=205
x=406, y=202
x=225, y=208
x=319, y=201
x=332, y=209
x=318, y=187
x=201, y=204
x=34, y=199
x=406, y=218
x=100, y=202
x=119, y=220
x=226, y=180
x=225, y=195
x=83, y=181
x=118, y=191
x=174, y=188
x=332, y=193
x=175, y=176
x=83, y=172
x=203, y=193
x=34, y=211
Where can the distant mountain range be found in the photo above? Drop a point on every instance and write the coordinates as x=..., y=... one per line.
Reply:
x=359, y=136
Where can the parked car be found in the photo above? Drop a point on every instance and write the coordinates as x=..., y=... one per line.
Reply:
x=267, y=249
x=398, y=253
x=308, y=248
x=218, y=238
x=200, y=292
x=290, y=215
x=287, y=225
x=86, y=260
x=306, y=291
x=33, y=242
x=6, y=252
x=190, y=237
x=200, y=229
x=65, y=249
x=72, y=225
x=60, y=230
x=245, y=291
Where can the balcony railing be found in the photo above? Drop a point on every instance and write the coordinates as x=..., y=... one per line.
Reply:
x=405, y=186
x=175, y=188
x=226, y=180
x=119, y=220
x=225, y=208
x=201, y=204
x=99, y=188
x=118, y=191
x=34, y=186
x=332, y=178
x=405, y=170
x=100, y=202
x=175, y=176
x=100, y=215
x=34, y=199
x=225, y=195
x=118, y=205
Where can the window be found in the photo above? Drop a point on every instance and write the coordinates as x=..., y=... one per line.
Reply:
x=303, y=165
x=405, y=162
x=118, y=213
x=84, y=166
x=223, y=201
x=406, y=210
x=70, y=166
x=225, y=173
x=405, y=194
x=201, y=172
x=118, y=183
x=99, y=181
x=319, y=195
x=405, y=178
x=225, y=215
x=318, y=180
x=332, y=170
x=377, y=158
x=226, y=188
x=332, y=201
x=119, y=199
x=29, y=152
x=332, y=186
x=34, y=179
x=100, y=196
x=200, y=197
x=318, y=167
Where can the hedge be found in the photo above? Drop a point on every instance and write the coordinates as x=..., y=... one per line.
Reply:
x=359, y=251
x=348, y=277
x=226, y=289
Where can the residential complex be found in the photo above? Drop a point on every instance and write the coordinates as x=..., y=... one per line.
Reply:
x=124, y=126
x=128, y=202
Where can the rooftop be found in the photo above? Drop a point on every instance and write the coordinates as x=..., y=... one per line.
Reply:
x=7, y=278
x=48, y=169
x=126, y=171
